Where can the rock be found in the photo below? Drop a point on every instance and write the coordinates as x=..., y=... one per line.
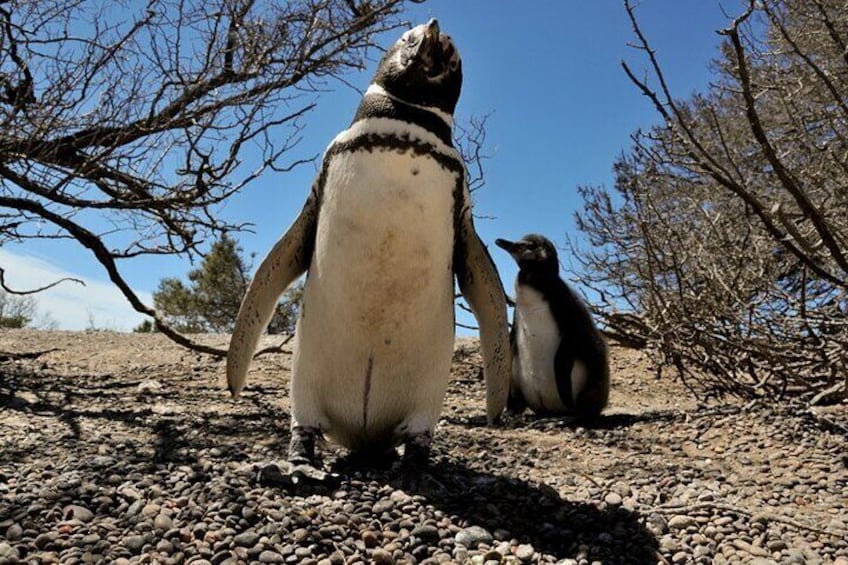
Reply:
x=149, y=386
x=613, y=499
x=76, y=512
x=134, y=543
x=525, y=552
x=473, y=536
x=268, y=556
x=428, y=533
x=370, y=539
x=14, y=532
x=383, y=505
x=163, y=522
x=680, y=557
x=44, y=540
x=382, y=557
x=681, y=522
x=7, y=552
x=742, y=545
x=657, y=523
x=246, y=539
x=150, y=510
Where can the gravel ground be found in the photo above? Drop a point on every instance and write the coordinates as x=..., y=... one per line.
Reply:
x=121, y=448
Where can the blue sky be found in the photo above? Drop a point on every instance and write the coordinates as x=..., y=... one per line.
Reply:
x=561, y=109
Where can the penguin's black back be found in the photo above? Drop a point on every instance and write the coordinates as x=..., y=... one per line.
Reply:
x=580, y=338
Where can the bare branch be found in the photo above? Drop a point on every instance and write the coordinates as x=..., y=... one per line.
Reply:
x=35, y=290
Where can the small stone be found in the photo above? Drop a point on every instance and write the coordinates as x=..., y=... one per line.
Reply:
x=382, y=557
x=163, y=522
x=428, y=533
x=246, y=539
x=268, y=556
x=134, y=543
x=150, y=510
x=77, y=512
x=613, y=499
x=150, y=386
x=473, y=536
x=370, y=539
x=383, y=505
x=680, y=557
x=45, y=539
x=7, y=552
x=780, y=545
x=525, y=552
x=220, y=557
x=14, y=532
x=681, y=522
x=742, y=545
x=657, y=524
x=502, y=535
x=165, y=546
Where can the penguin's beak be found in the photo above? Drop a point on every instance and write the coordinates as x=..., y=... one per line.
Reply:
x=506, y=245
x=427, y=47
x=431, y=31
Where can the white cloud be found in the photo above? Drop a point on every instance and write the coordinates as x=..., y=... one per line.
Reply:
x=72, y=306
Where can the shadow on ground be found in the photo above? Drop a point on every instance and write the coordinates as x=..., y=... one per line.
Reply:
x=144, y=438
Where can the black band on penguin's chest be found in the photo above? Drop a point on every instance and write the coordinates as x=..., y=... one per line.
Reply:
x=380, y=106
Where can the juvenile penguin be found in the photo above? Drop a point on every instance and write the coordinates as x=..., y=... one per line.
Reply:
x=559, y=357
x=384, y=231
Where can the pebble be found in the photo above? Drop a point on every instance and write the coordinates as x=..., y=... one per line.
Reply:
x=268, y=556
x=370, y=539
x=163, y=523
x=246, y=539
x=525, y=552
x=613, y=499
x=8, y=552
x=430, y=533
x=76, y=512
x=123, y=496
x=134, y=543
x=473, y=536
x=14, y=532
x=382, y=557
x=681, y=522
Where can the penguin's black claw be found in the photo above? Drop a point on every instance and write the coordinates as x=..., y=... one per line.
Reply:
x=288, y=475
x=416, y=451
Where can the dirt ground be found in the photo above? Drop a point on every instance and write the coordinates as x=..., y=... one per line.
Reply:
x=687, y=482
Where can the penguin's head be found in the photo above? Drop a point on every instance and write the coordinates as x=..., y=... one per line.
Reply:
x=423, y=67
x=532, y=252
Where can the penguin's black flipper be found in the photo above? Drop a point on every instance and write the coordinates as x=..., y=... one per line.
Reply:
x=287, y=260
x=581, y=341
x=563, y=366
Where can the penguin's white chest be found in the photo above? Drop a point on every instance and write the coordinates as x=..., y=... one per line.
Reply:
x=375, y=335
x=538, y=339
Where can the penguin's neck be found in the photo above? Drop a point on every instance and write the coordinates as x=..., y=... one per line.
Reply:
x=379, y=103
x=541, y=281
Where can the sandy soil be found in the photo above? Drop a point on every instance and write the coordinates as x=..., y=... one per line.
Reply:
x=678, y=480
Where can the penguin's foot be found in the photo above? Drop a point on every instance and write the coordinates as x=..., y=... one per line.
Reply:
x=416, y=450
x=302, y=446
x=288, y=475
x=416, y=473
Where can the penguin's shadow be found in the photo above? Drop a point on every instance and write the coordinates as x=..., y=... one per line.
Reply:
x=529, y=420
x=515, y=509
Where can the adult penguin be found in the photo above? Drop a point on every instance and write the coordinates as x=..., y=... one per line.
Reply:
x=386, y=227
x=560, y=361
